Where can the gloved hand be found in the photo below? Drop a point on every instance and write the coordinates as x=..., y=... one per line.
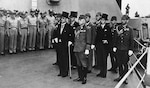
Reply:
x=92, y=46
x=69, y=43
x=52, y=40
x=105, y=41
x=86, y=52
x=56, y=40
x=114, y=49
x=130, y=52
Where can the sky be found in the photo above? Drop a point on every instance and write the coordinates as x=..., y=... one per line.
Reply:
x=141, y=6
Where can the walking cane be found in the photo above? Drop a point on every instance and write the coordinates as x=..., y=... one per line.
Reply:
x=70, y=74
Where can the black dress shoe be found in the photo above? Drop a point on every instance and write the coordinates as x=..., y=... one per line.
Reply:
x=89, y=71
x=100, y=75
x=64, y=76
x=110, y=69
x=117, y=79
x=114, y=71
x=55, y=63
x=77, y=79
x=59, y=75
x=84, y=81
x=125, y=82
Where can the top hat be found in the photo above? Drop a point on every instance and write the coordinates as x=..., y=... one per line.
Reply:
x=113, y=18
x=82, y=17
x=105, y=16
x=73, y=14
x=88, y=15
x=57, y=14
x=65, y=14
x=125, y=17
x=50, y=11
x=98, y=13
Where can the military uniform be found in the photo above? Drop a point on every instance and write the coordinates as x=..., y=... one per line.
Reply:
x=123, y=43
x=82, y=43
x=91, y=27
x=42, y=28
x=2, y=33
x=13, y=32
x=23, y=30
x=50, y=27
x=32, y=31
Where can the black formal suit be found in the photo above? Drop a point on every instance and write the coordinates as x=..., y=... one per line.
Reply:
x=73, y=25
x=62, y=47
x=123, y=43
x=102, y=43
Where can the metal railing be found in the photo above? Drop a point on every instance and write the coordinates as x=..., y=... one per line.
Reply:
x=144, y=51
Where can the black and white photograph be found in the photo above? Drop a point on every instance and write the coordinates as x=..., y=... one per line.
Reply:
x=74, y=43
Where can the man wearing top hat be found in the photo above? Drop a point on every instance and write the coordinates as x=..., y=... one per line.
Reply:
x=113, y=25
x=82, y=48
x=102, y=43
x=74, y=25
x=123, y=46
x=63, y=35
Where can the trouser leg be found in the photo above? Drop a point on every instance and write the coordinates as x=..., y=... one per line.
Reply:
x=15, y=40
x=65, y=61
x=50, y=36
x=79, y=67
x=34, y=37
x=43, y=38
x=41, y=34
x=2, y=34
x=113, y=60
x=21, y=40
x=90, y=60
x=25, y=40
x=73, y=58
x=30, y=37
x=11, y=39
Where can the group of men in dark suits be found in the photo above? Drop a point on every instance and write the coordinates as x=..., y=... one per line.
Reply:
x=86, y=37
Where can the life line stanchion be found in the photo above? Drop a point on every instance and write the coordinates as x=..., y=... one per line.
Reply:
x=70, y=74
x=147, y=77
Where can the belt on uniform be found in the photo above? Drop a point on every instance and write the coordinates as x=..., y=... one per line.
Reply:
x=24, y=28
x=32, y=25
x=1, y=26
x=13, y=27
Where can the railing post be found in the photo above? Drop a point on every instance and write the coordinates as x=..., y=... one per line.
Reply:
x=148, y=63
